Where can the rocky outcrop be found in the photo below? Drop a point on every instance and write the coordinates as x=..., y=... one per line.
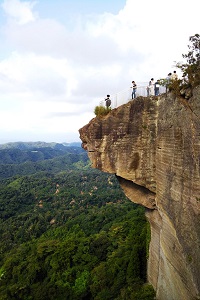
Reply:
x=153, y=146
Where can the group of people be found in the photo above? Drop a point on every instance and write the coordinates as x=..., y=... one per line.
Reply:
x=171, y=76
x=153, y=89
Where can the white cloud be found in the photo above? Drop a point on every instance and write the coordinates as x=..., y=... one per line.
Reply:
x=40, y=75
x=19, y=11
x=158, y=31
x=56, y=75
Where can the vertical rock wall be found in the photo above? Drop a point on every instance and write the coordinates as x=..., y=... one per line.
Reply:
x=153, y=146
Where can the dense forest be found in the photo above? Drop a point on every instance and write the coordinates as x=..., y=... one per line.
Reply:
x=67, y=231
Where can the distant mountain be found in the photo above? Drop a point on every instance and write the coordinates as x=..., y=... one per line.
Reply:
x=39, y=144
x=22, y=162
x=17, y=156
x=74, y=144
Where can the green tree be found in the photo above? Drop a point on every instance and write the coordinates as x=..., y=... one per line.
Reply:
x=191, y=68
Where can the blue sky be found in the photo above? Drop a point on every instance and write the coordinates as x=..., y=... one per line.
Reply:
x=67, y=8
x=59, y=59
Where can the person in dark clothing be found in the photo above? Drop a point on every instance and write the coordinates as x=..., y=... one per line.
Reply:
x=108, y=101
x=157, y=86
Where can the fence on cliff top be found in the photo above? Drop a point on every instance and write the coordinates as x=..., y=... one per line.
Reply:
x=125, y=95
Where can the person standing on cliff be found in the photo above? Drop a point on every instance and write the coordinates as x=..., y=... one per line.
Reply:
x=134, y=87
x=108, y=101
x=168, y=80
x=151, y=87
x=157, y=87
x=148, y=90
x=174, y=76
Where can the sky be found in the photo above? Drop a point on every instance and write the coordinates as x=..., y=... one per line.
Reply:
x=60, y=58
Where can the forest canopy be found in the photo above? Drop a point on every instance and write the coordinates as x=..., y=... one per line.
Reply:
x=68, y=232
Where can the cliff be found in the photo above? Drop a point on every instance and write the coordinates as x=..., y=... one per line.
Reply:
x=153, y=146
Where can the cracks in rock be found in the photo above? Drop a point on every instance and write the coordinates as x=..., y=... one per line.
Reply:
x=187, y=105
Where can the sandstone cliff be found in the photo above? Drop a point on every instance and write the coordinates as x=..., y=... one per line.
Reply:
x=153, y=146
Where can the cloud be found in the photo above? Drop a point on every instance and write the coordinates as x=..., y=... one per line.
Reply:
x=57, y=72
x=158, y=32
x=40, y=75
x=19, y=11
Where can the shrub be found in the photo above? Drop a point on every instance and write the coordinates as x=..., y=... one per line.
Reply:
x=101, y=111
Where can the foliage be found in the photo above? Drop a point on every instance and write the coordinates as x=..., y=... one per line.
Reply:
x=17, y=156
x=191, y=69
x=71, y=235
x=40, y=145
x=19, y=162
x=101, y=111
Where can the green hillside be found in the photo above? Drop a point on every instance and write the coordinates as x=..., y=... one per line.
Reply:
x=15, y=161
x=39, y=144
x=68, y=232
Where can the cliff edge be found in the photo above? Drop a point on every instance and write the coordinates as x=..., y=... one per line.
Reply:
x=153, y=146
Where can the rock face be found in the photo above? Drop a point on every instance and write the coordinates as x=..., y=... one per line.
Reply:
x=153, y=146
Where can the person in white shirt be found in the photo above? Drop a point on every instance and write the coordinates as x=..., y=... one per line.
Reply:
x=151, y=87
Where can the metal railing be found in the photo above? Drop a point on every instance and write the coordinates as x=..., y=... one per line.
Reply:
x=125, y=95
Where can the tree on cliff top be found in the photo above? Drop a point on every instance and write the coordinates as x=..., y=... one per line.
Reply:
x=191, y=69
